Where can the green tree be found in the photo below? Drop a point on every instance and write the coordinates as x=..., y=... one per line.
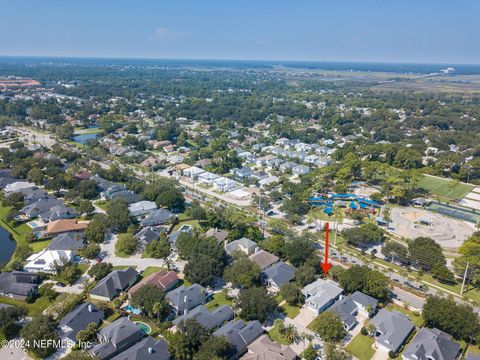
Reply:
x=126, y=244
x=40, y=328
x=151, y=300
x=255, y=304
x=118, y=216
x=329, y=327
x=99, y=271
x=88, y=334
x=243, y=273
x=426, y=253
x=96, y=229
x=291, y=293
x=216, y=347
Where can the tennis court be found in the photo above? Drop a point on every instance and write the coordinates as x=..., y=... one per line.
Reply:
x=455, y=212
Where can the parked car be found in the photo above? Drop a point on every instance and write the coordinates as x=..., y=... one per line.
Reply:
x=60, y=284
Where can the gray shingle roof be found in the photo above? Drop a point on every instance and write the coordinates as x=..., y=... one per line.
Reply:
x=80, y=317
x=146, y=349
x=208, y=319
x=183, y=298
x=114, y=283
x=433, y=344
x=39, y=207
x=18, y=282
x=119, y=335
x=364, y=300
x=392, y=328
x=157, y=217
x=346, y=309
x=237, y=245
x=67, y=241
x=321, y=292
x=240, y=334
x=280, y=273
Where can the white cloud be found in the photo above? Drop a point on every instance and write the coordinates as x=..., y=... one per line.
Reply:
x=169, y=35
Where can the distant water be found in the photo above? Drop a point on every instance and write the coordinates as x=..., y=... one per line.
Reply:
x=7, y=246
x=463, y=69
x=83, y=138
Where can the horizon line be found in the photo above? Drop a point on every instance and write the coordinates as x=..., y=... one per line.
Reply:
x=236, y=60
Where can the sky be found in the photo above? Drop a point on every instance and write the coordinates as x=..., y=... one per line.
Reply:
x=413, y=31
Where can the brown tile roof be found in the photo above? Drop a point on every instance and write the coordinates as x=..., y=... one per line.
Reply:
x=264, y=259
x=65, y=225
x=163, y=279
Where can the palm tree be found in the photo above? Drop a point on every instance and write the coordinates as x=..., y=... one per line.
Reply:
x=290, y=334
x=306, y=336
x=338, y=213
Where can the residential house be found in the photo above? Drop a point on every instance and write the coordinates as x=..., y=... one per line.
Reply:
x=392, y=329
x=17, y=186
x=116, y=338
x=40, y=206
x=113, y=284
x=46, y=260
x=146, y=349
x=244, y=245
x=19, y=285
x=157, y=217
x=265, y=349
x=300, y=170
x=268, y=181
x=61, y=226
x=68, y=241
x=164, y=280
x=240, y=334
x=311, y=159
x=141, y=208
x=346, y=310
x=58, y=212
x=259, y=175
x=431, y=344
x=242, y=173
x=193, y=172
x=278, y=275
x=210, y=320
x=225, y=184
x=184, y=299
x=148, y=234
x=219, y=234
x=321, y=294
x=287, y=166
x=263, y=259
x=366, y=304
x=207, y=178
x=78, y=319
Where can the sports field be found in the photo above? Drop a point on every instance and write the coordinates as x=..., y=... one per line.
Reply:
x=444, y=188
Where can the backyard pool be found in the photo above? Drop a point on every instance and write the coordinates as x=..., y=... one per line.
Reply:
x=129, y=308
x=143, y=327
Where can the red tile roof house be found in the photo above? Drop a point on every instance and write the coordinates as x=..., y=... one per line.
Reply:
x=164, y=280
x=65, y=225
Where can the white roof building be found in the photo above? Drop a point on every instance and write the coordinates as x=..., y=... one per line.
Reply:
x=141, y=208
x=46, y=260
x=225, y=184
x=193, y=172
x=269, y=180
x=18, y=186
x=207, y=178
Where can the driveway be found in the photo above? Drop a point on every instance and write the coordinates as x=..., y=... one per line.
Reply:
x=301, y=321
x=305, y=317
x=14, y=354
x=380, y=354
x=107, y=252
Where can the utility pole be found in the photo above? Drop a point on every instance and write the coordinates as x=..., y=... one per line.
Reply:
x=464, y=278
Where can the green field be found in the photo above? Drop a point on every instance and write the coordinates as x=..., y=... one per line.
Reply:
x=444, y=188
x=361, y=347
x=218, y=300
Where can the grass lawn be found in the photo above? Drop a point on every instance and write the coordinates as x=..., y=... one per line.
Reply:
x=218, y=300
x=361, y=347
x=289, y=310
x=102, y=204
x=33, y=309
x=38, y=246
x=19, y=232
x=122, y=267
x=274, y=335
x=417, y=319
x=194, y=223
x=150, y=270
x=444, y=188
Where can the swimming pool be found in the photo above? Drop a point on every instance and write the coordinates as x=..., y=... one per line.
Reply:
x=129, y=308
x=143, y=327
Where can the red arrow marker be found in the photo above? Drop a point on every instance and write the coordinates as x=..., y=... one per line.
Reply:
x=326, y=265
